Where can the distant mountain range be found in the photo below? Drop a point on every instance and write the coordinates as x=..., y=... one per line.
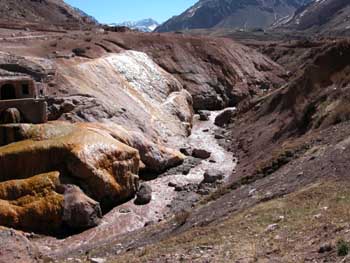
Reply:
x=145, y=25
x=233, y=14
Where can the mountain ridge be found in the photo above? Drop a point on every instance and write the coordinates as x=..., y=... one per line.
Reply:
x=322, y=16
x=229, y=13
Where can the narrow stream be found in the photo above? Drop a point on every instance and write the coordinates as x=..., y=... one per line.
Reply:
x=130, y=217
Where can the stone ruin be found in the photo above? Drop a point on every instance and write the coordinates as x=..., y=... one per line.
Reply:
x=21, y=100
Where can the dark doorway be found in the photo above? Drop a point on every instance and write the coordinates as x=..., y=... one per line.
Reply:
x=8, y=92
x=25, y=89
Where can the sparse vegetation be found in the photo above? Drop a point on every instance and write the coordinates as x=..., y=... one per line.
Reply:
x=243, y=235
x=181, y=217
x=342, y=248
x=281, y=158
x=278, y=159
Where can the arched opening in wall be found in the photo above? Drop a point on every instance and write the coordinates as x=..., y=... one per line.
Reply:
x=8, y=92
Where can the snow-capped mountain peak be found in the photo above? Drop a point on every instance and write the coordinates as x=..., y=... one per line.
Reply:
x=144, y=25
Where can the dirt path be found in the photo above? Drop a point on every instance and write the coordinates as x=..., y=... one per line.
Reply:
x=130, y=217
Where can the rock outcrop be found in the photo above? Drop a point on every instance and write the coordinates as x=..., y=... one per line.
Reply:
x=80, y=211
x=217, y=72
x=105, y=168
x=42, y=203
x=32, y=204
x=154, y=157
x=225, y=117
x=128, y=89
x=102, y=159
x=112, y=77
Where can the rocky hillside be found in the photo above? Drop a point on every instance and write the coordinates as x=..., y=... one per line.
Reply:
x=171, y=147
x=240, y=14
x=42, y=13
x=221, y=73
x=120, y=108
x=293, y=146
x=327, y=17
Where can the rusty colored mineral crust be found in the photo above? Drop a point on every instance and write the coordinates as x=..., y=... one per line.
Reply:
x=103, y=167
x=32, y=204
x=102, y=159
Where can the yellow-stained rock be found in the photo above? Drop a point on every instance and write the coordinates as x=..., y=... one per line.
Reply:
x=35, y=186
x=43, y=204
x=103, y=167
x=154, y=156
x=103, y=160
x=32, y=204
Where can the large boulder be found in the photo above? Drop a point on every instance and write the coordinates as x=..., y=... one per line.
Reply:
x=154, y=156
x=79, y=210
x=105, y=168
x=43, y=204
x=212, y=176
x=225, y=117
x=32, y=204
x=144, y=195
x=204, y=115
x=201, y=153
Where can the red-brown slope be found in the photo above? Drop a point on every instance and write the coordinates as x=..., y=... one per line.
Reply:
x=288, y=143
x=288, y=197
x=41, y=14
x=217, y=72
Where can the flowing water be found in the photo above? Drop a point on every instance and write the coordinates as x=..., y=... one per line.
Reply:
x=130, y=217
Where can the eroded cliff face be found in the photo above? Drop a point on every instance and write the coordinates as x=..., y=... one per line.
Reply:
x=217, y=72
x=134, y=91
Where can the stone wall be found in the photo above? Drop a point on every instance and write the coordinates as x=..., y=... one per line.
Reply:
x=32, y=110
x=23, y=87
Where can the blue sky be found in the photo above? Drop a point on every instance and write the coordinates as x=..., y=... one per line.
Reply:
x=109, y=11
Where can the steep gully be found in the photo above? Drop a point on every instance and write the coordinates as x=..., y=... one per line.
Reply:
x=130, y=217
